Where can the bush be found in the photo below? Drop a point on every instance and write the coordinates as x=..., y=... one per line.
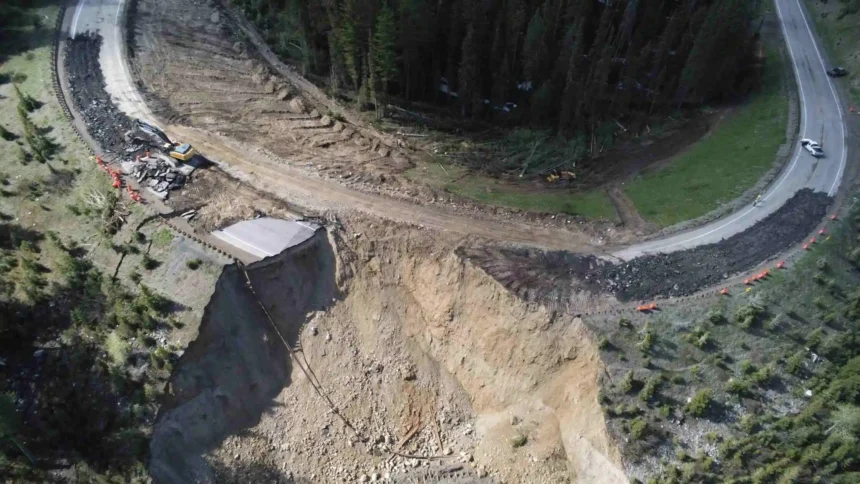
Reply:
x=149, y=263
x=6, y=134
x=794, y=363
x=116, y=348
x=737, y=386
x=715, y=316
x=625, y=323
x=638, y=428
x=626, y=383
x=646, y=343
x=650, y=388
x=747, y=367
x=746, y=316
x=519, y=440
x=700, y=403
x=194, y=264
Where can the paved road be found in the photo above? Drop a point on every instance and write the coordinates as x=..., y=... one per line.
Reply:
x=820, y=110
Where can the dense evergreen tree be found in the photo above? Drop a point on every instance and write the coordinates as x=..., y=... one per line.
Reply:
x=575, y=64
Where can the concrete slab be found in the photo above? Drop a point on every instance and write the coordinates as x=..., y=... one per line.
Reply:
x=266, y=236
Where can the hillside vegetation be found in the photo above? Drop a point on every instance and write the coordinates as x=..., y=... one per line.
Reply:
x=760, y=386
x=577, y=66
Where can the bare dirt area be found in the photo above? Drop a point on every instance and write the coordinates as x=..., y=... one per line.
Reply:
x=560, y=277
x=200, y=72
x=435, y=370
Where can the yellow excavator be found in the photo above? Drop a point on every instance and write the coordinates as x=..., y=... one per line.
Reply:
x=181, y=152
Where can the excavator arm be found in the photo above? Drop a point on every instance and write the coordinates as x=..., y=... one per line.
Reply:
x=152, y=131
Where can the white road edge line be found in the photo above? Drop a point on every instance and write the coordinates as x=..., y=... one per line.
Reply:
x=797, y=151
x=803, y=105
x=835, y=98
x=77, y=17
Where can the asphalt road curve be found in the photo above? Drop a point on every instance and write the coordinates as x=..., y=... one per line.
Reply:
x=821, y=111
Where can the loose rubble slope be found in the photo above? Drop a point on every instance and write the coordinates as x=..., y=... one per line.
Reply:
x=560, y=277
x=406, y=339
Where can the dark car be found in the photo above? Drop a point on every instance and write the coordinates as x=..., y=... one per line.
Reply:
x=837, y=72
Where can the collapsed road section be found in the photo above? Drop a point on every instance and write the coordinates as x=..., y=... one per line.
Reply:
x=556, y=276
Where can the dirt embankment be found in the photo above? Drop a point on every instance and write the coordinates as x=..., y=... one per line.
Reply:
x=421, y=352
x=563, y=278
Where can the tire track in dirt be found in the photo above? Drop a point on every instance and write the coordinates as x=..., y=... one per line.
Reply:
x=250, y=165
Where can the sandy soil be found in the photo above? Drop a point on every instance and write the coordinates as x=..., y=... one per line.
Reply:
x=405, y=339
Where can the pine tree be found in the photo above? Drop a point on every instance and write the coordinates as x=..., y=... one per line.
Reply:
x=384, y=59
x=534, y=48
x=347, y=40
x=468, y=72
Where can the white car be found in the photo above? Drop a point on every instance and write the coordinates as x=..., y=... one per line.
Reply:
x=812, y=147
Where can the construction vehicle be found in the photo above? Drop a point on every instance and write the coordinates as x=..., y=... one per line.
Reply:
x=564, y=175
x=181, y=152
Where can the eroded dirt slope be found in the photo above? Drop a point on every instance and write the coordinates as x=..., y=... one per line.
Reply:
x=408, y=341
x=199, y=71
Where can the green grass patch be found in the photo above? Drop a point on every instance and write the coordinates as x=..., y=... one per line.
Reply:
x=594, y=204
x=722, y=166
x=162, y=238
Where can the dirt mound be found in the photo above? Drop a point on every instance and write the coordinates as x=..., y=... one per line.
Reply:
x=561, y=277
x=105, y=123
x=420, y=352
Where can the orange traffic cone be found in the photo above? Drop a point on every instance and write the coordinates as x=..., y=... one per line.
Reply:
x=833, y=217
x=812, y=240
x=747, y=281
x=724, y=291
x=805, y=246
x=781, y=264
x=821, y=232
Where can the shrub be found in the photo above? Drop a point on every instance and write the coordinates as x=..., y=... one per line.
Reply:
x=135, y=277
x=625, y=323
x=646, y=343
x=626, y=383
x=678, y=379
x=149, y=263
x=763, y=376
x=650, y=388
x=638, y=428
x=699, y=403
x=6, y=134
x=116, y=348
x=814, y=338
x=747, y=367
x=794, y=363
x=737, y=386
x=715, y=316
x=519, y=440
x=747, y=315
x=703, y=340
x=194, y=264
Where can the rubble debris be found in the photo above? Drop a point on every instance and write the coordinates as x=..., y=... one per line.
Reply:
x=112, y=129
x=105, y=123
x=555, y=276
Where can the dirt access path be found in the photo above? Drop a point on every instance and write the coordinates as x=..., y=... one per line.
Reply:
x=200, y=75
